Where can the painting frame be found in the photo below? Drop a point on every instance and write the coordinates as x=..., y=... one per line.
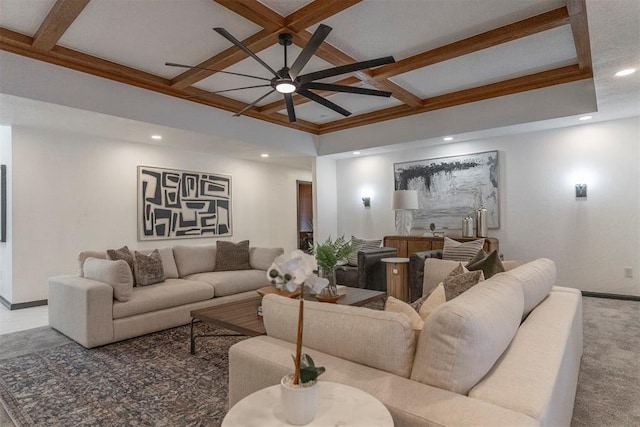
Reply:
x=183, y=204
x=452, y=187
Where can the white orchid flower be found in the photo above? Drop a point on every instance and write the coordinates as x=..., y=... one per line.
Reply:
x=293, y=271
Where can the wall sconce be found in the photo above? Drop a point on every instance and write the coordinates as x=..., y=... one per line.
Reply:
x=366, y=201
x=581, y=191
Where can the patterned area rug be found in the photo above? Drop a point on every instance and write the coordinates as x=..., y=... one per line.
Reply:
x=148, y=381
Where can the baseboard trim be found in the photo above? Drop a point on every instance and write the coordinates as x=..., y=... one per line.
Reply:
x=20, y=305
x=610, y=296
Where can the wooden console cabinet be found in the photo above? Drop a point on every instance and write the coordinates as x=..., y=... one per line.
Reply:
x=407, y=245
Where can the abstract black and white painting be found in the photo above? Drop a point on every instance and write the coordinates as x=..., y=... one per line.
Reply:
x=450, y=188
x=175, y=204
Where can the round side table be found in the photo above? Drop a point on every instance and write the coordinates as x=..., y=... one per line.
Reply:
x=397, y=286
x=338, y=404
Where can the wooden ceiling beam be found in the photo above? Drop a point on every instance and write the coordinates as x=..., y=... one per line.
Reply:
x=520, y=84
x=228, y=57
x=58, y=20
x=20, y=44
x=316, y=12
x=507, y=33
x=256, y=12
x=580, y=30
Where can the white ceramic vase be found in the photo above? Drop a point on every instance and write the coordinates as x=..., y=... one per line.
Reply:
x=299, y=402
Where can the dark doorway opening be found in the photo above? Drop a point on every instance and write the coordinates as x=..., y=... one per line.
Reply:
x=305, y=215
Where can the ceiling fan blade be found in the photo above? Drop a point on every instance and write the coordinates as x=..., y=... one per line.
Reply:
x=224, y=33
x=173, y=64
x=347, y=89
x=312, y=45
x=320, y=100
x=290, y=111
x=225, y=90
x=350, y=68
x=239, y=113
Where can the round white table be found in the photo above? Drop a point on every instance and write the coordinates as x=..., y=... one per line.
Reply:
x=338, y=404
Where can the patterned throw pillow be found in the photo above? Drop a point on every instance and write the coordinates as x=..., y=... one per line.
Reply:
x=148, y=269
x=457, y=251
x=490, y=264
x=125, y=254
x=232, y=256
x=456, y=285
x=361, y=245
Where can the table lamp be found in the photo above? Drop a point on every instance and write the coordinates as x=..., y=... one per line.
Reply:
x=404, y=202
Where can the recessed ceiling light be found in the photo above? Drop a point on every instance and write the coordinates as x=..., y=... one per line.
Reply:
x=156, y=136
x=356, y=152
x=625, y=72
x=585, y=118
x=448, y=138
x=264, y=155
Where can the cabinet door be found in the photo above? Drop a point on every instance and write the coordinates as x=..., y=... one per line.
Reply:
x=414, y=246
x=398, y=243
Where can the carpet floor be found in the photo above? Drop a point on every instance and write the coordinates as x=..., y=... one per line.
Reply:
x=48, y=380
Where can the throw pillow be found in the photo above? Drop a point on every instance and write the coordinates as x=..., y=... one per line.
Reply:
x=232, y=256
x=457, y=251
x=433, y=301
x=398, y=306
x=490, y=264
x=125, y=254
x=148, y=268
x=361, y=245
x=455, y=285
x=115, y=273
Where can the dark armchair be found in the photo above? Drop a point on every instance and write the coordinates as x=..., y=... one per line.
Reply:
x=416, y=271
x=370, y=273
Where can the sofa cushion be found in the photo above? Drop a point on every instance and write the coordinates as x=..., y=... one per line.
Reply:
x=114, y=273
x=232, y=256
x=125, y=254
x=489, y=263
x=168, y=261
x=148, y=268
x=82, y=256
x=233, y=282
x=194, y=259
x=460, y=251
x=536, y=278
x=462, y=339
x=374, y=338
x=170, y=293
x=435, y=270
x=262, y=258
x=361, y=245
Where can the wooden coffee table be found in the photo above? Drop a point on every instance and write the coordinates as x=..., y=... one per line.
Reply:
x=242, y=316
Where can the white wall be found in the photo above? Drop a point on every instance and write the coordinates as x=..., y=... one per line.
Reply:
x=6, y=247
x=590, y=240
x=74, y=192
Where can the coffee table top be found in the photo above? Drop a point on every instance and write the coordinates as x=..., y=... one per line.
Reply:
x=242, y=316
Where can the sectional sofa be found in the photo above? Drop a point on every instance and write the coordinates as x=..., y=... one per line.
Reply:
x=88, y=310
x=504, y=353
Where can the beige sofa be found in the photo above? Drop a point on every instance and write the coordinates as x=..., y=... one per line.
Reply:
x=505, y=353
x=86, y=310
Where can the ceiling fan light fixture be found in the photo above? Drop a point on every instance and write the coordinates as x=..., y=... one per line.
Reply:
x=285, y=87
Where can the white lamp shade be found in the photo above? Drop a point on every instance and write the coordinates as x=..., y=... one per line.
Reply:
x=405, y=199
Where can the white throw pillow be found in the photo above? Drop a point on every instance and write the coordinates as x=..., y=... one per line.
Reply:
x=361, y=245
x=433, y=301
x=116, y=273
x=398, y=306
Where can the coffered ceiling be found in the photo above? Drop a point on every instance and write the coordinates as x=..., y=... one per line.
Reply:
x=447, y=53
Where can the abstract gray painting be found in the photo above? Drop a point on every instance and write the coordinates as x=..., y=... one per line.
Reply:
x=175, y=204
x=450, y=188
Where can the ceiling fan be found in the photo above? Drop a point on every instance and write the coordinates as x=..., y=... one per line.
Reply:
x=288, y=80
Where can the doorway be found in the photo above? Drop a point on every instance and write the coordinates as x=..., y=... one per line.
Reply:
x=305, y=215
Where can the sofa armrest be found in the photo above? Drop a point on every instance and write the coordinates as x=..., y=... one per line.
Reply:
x=372, y=272
x=82, y=309
x=416, y=271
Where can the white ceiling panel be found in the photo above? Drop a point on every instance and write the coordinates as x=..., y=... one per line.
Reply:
x=509, y=60
x=285, y=7
x=24, y=16
x=144, y=34
x=402, y=28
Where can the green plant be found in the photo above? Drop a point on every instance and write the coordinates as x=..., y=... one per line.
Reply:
x=308, y=370
x=329, y=252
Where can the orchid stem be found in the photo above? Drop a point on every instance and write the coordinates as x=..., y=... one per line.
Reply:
x=296, y=372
